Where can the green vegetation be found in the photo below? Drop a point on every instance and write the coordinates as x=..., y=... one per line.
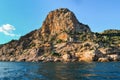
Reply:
x=52, y=38
x=32, y=45
x=59, y=41
x=111, y=31
x=55, y=54
x=107, y=38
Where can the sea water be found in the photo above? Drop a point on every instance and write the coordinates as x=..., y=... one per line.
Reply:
x=59, y=71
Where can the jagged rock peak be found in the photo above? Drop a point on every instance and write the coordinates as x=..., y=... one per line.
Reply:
x=61, y=20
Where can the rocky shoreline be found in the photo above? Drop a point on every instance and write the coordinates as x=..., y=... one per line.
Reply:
x=63, y=38
x=89, y=52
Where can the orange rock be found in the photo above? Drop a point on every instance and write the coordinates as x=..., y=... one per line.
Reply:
x=103, y=59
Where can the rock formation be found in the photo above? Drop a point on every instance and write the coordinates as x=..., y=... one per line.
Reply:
x=60, y=23
x=63, y=38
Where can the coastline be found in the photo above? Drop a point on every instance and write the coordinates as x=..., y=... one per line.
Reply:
x=63, y=38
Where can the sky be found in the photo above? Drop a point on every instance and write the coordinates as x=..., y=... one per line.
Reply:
x=19, y=17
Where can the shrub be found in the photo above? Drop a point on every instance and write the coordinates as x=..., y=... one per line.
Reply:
x=55, y=54
x=59, y=41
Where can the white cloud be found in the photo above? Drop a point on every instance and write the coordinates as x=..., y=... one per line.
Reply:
x=8, y=29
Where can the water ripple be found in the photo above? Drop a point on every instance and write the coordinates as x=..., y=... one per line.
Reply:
x=59, y=71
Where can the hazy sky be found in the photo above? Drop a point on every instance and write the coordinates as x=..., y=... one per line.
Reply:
x=18, y=17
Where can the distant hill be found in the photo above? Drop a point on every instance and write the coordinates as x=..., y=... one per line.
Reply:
x=111, y=31
x=63, y=38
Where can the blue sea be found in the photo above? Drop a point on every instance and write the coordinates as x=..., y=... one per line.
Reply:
x=59, y=71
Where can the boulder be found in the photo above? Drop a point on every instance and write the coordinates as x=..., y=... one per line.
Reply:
x=12, y=59
x=66, y=57
x=103, y=59
x=114, y=57
x=86, y=56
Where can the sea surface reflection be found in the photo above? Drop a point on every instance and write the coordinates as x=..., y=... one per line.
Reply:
x=59, y=71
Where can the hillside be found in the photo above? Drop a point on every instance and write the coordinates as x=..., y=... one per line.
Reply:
x=63, y=38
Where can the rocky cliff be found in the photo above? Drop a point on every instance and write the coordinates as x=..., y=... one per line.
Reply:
x=60, y=24
x=63, y=38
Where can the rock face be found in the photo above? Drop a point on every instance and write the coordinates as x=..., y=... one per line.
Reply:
x=62, y=21
x=63, y=38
